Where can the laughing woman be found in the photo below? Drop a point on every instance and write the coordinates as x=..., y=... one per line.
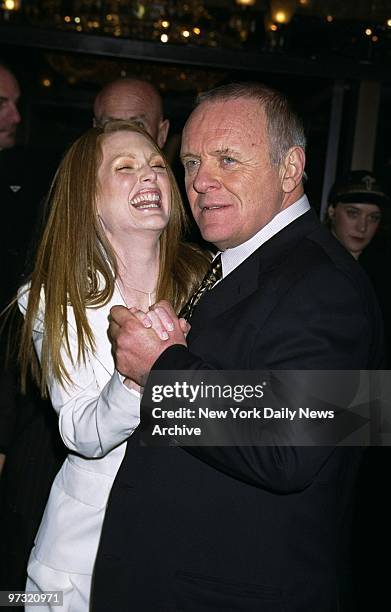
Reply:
x=112, y=237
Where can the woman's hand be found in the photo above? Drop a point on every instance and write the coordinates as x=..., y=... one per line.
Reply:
x=136, y=343
x=160, y=320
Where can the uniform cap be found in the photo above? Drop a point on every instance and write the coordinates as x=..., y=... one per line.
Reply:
x=360, y=187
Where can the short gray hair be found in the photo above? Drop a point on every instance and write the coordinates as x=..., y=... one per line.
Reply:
x=283, y=125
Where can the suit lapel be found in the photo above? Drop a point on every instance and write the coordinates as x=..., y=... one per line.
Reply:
x=253, y=273
x=99, y=322
x=235, y=287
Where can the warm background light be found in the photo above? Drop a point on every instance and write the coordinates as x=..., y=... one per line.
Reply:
x=246, y=2
x=285, y=22
x=281, y=17
x=12, y=5
x=281, y=11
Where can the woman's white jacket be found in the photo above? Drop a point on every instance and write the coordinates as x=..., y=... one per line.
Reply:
x=96, y=414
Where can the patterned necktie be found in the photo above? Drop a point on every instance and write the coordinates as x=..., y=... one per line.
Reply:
x=211, y=277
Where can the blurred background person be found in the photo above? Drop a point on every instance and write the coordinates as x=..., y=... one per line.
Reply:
x=115, y=203
x=355, y=211
x=133, y=100
x=31, y=450
x=9, y=120
x=358, y=216
x=9, y=112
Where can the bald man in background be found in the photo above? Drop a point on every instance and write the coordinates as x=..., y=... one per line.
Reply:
x=134, y=100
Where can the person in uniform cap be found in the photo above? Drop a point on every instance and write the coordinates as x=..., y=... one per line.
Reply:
x=356, y=209
x=357, y=216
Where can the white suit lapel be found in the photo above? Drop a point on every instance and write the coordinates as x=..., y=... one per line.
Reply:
x=98, y=319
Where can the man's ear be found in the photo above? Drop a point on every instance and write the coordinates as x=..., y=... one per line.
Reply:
x=330, y=212
x=292, y=169
x=162, y=132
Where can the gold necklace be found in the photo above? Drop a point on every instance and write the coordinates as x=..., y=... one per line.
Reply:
x=148, y=293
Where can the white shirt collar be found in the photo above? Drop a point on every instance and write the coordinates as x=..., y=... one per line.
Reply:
x=232, y=258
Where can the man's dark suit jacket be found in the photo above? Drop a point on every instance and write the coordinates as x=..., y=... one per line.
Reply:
x=28, y=425
x=248, y=528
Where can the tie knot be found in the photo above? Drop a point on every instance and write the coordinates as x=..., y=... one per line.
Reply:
x=213, y=275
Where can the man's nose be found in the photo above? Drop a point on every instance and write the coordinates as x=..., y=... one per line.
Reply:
x=14, y=115
x=205, y=180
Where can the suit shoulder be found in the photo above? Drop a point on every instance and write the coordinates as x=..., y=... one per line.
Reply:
x=323, y=254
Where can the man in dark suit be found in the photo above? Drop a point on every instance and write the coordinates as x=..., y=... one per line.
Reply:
x=200, y=529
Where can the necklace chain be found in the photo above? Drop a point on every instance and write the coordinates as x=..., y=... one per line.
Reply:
x=125, y=286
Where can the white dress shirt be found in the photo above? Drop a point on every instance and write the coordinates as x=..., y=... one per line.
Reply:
x=232, y=258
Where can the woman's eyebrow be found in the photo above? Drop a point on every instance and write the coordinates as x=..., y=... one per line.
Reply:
x=124, y=154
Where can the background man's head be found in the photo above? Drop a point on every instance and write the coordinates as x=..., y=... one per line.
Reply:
x=132, y=100
x=9, y=114
x=243, y=152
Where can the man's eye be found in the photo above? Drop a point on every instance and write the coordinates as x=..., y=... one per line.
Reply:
x=139, y=124
x=190, y=164
x=125, y=168
x=375, y=218
x=228, y=161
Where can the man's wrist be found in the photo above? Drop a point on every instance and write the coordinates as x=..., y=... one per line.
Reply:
x=168, y=359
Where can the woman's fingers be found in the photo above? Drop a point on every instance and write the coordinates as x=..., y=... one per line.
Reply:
x=161, y=319
x=152, y=320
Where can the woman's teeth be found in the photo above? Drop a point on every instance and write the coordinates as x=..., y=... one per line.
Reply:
x=146, y=200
